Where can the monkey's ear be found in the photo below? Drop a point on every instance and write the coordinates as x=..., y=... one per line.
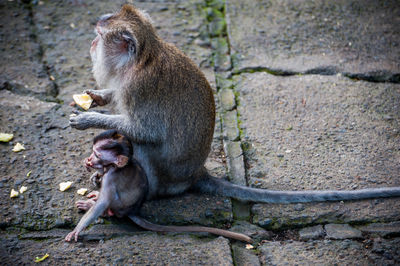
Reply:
x=121, y=161
x=124, y=48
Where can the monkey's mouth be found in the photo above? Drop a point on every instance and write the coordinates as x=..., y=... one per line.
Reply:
x=98, y=33
x=94, y=42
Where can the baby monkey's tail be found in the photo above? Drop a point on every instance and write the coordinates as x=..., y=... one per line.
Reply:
x=171, y=228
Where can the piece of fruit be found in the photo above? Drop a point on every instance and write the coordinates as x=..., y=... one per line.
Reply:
x=18, y=147
x=14, y=193
x=65, y=185
x=83, y=100
x=248, y=246
x=23, y=189
x=82, y=191
x=4, y=137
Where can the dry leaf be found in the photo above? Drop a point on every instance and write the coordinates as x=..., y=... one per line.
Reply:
x=82, y=191
x=83, y=100
x=14, y=193
x=4, y=137
x=65, y=185
x=18, y=147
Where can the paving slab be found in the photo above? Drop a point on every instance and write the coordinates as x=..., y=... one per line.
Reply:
x=382, y=229
x=353, y=37
x=320, y=132
x=331, y=252
x=341, y=231
x=141, y=249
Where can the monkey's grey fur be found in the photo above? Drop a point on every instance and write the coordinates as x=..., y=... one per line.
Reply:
x=167, y=109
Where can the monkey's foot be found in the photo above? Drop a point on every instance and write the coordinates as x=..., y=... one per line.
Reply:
x=85, y=205
x=94, y=195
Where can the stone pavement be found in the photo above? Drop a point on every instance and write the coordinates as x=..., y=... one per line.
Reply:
x=308, y=97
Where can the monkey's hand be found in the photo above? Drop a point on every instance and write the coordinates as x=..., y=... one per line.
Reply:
x=96, y=179
x=83, y=120
x=73, y=235
x=100, y=97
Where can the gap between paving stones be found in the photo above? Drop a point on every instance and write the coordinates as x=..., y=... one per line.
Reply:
x=215, y=13
x=52, y=91
x=325, y=71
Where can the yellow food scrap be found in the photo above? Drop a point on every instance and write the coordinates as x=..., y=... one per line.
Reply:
x=23, y=189
x=65, y=185
x=248, y=246
x=14, y=193
x=18, y=147
x=4, y=137
x=37, y=259
x=83, y=100
x=82, y=191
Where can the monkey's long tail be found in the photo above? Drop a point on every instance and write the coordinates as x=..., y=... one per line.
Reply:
x=170, y=228
x=219, y=186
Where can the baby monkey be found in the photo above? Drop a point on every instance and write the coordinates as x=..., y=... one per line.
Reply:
x=123, y=188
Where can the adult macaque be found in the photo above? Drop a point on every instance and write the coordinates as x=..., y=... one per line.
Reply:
x=123, y=188
x=166, y=107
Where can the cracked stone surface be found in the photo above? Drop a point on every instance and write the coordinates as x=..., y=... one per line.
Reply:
x=320, y=132
x=311, y=36
x=330, y=252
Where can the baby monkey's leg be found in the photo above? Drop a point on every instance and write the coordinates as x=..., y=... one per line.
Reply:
x=85, y=205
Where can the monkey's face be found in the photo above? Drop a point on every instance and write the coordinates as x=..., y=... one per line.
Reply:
x=119, y=43
x=105, y=154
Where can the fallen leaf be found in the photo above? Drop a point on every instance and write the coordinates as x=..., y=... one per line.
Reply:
x=82, y=191
x=18, y=147
x=37, y=259
x=4, y=137
x=23, y=189
x=29, y=173
x=65, y=185
x=14, y=193
x=83, y=100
